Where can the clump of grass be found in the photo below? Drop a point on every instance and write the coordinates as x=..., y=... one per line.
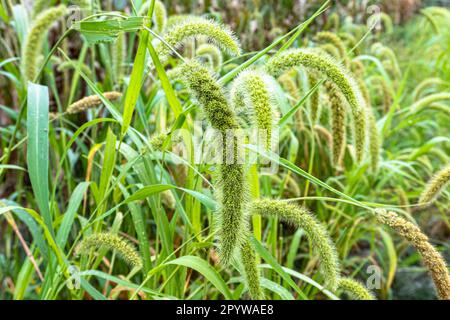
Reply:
x=91, y=102
x=430, y=256
x=435, y=186
x=35, y=38
x=111, y=242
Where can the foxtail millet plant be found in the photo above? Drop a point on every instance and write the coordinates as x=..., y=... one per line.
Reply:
x=385, y=92
x=314, y=101
x=159, y=14
x=431, y=19
x=373, y=135
x=334, y=40
x=91, y=102
x=250, y=263
x=354, y=289
x=350, y=42
x=330, y=50
x=430, y=256
x=231, y=185
x=252, y=93
x=111, y=242
x=212, y=53
x=301, y=218
x=38, y=6
x=118, y=56
x=335, y=73
x=381, y=18
x=435, y=186
x=424, y=85
x=232, y=188
x=34, y=41
x=338, y=116
x=388, y=58
x=427, y=100
x=192, y=28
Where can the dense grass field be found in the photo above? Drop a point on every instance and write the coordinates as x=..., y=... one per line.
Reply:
x=277, y=150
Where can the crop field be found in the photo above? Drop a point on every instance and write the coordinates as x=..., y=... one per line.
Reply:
x=237, y=150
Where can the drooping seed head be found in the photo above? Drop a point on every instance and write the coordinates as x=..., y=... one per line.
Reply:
x=91, y=102
x=426, y=84
x=111, y=242
x=212, y=53
x=221, y=36
x=338, y=116
x=252, y=93
x=35, y=39
x=354, y=289
x=334, y=40
x=335, y=73
x=435, y=186
x=159, y=14
x=231, y=190
x=427, y=100
x=315, y=231
x=251, y=272
x=430, y=256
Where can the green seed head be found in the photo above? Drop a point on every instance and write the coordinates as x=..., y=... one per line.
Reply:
x=315, y=231
x=435, y=186
x=111, y=242
x=159, y=14
x=249, y=261
x=354, y=289
x=430, y=256
x=91, y=102
x=35, y=39
x=334, y=40
x=212, y=53
x=336, y=74
x=252, y=93
x=193, y=28
x=157, y=141
x=426, y=101
x=338, y=115
x=231, y=182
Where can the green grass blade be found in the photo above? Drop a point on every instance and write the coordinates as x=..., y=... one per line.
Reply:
x=135, y=81
x=206, y=270
x=38, y=148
